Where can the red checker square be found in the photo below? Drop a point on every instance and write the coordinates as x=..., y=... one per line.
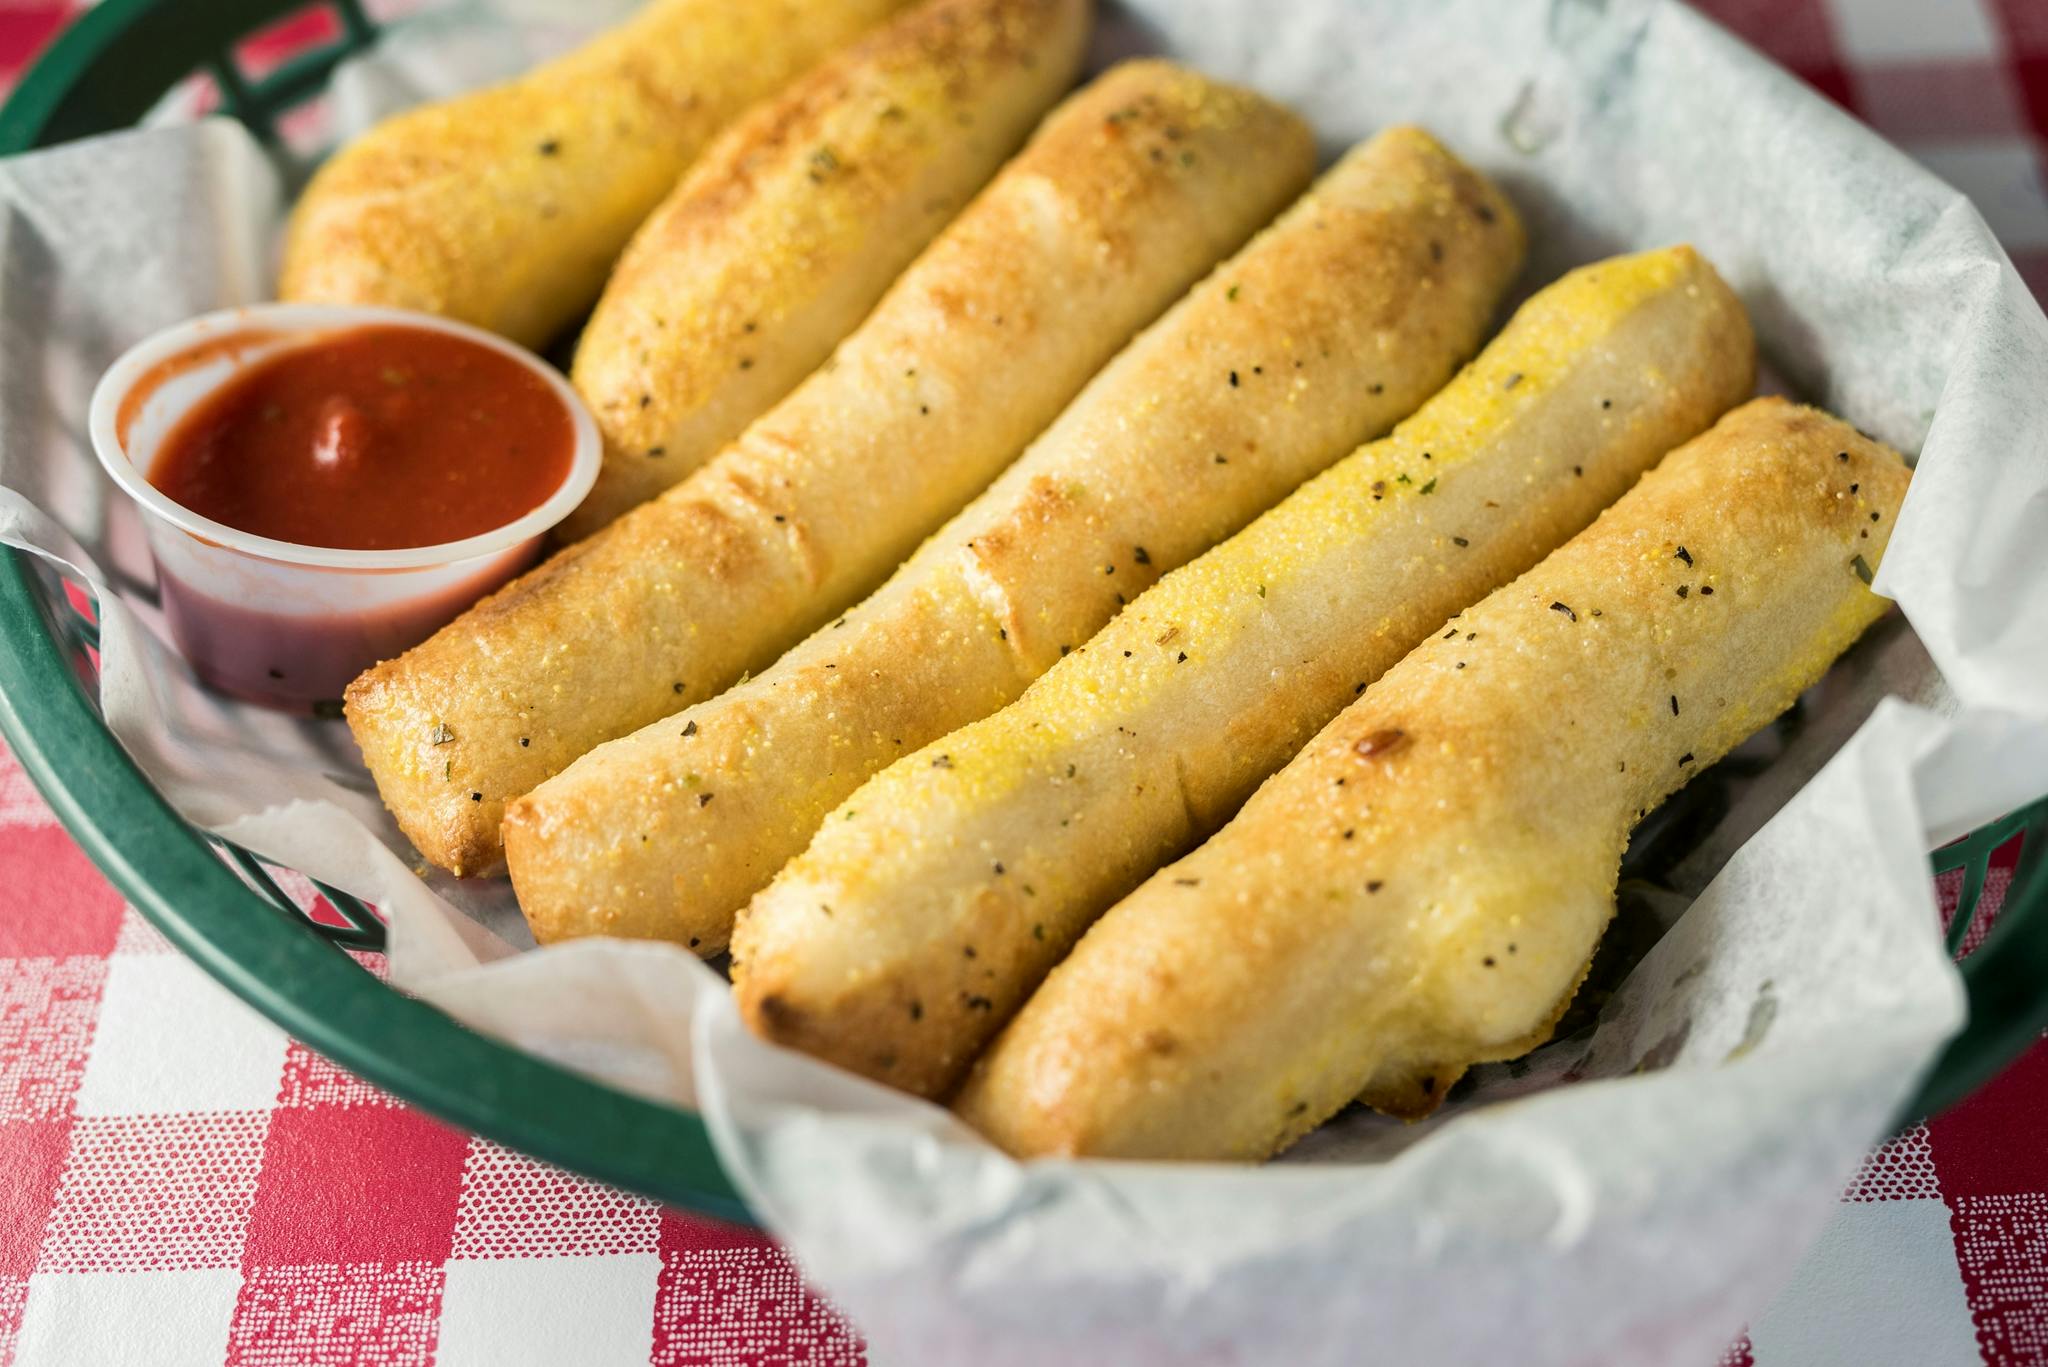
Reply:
x=1795, y=33
x=31, y=1164
x=310, y=1080
x=2030, y=72
x=1791, y=31
x=2033, y=266
x=25, y=28
x=1937, y=100
x=73, y=910
x=2025, y=23
x=727, y=1296
x=336, y=1314
x=722, y=1307
x=355, y=1184
x=2002, y=1252
x=683, y=1231
x=1990, y=1145
x=47, y=1008
x=154, y=1191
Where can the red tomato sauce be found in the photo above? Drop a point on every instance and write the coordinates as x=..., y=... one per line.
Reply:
x=372, y=438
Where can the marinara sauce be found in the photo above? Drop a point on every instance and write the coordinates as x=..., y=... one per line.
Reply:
x=371, y=438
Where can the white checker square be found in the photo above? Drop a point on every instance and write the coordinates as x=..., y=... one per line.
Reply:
x=2003, y=177
x=170, y=1039
x=155, y=1192
x=1880, y=1289
x=1873, y=31
x=594, y=1312
x=120, y=1319
x=518, y=1207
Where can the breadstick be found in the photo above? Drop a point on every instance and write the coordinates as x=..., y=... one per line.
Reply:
x=507, y=206
x=1130, y=191
x=967, y=869
x=1423, y=887
x=1337, y=321
x=793, y=223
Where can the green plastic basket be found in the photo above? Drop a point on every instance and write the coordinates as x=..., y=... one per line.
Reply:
x=288, y=960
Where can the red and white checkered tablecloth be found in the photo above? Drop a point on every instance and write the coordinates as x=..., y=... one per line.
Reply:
x=181, y=1183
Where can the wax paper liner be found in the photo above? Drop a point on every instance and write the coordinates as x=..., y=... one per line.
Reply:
x=1630, y=1193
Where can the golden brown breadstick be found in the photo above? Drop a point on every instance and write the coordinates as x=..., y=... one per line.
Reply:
x=957, y=877
x=507, y=206
x=1337, y=321
x=1422, y=888
x=1130, y=190
x=793, y=223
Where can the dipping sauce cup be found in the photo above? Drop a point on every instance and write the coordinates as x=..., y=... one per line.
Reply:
x=274, y=621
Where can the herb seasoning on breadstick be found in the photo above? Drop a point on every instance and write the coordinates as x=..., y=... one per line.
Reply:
x=1421, y=890
x=1130, y=191
x=1340, y=319
x=958, y=877
x=795, y=222
x=506, y=207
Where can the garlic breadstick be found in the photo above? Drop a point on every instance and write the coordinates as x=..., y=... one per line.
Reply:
x=796, y=220
x=1334, y=323
x=956, y=878
x=1130, y=191
x=1423, y=887
x=506, y=207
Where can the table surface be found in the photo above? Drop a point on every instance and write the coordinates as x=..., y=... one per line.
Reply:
x=180, y=1182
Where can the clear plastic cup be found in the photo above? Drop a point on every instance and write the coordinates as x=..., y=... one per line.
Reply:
x=272, y=621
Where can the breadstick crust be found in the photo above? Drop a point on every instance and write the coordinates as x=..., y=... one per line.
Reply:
x=1336, y=321
x=506, y=207
x=971, y=867
x=1129, y=192
x=1422, y=888
x=793, y=223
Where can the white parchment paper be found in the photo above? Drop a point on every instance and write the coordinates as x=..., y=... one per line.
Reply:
x=1629, y=1194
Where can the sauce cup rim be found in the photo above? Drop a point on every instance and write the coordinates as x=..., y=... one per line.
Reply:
x=120, y=379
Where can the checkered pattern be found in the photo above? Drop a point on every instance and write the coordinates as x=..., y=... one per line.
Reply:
x=180, y=1182
x=215, y=1193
